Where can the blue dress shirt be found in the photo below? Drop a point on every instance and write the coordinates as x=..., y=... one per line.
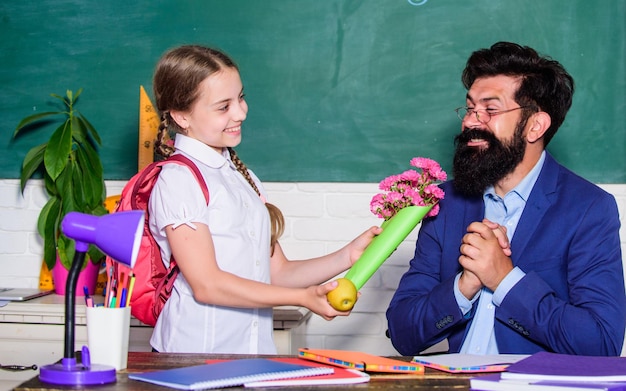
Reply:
x=505, y=211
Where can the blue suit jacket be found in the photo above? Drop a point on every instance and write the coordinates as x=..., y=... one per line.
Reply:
x=570, y=301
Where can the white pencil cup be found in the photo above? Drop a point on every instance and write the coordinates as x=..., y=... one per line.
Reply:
x=107, y=335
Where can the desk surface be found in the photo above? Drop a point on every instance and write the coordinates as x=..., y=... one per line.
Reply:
x=146, y=361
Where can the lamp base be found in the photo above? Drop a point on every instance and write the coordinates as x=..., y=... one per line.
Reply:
x=67, y=372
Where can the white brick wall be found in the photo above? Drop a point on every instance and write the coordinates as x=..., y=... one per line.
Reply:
x=321, y=217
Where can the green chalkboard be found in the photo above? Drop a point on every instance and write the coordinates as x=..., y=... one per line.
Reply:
x=338, y=90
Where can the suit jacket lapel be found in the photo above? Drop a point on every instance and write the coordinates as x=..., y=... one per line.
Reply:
x=538, y=203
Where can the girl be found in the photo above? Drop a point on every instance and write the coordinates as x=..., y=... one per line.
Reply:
x=233, y=270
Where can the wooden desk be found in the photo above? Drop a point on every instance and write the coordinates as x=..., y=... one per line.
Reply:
x=147, y=361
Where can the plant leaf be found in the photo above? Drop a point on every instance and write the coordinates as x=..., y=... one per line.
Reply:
x=91, y=178
x=94, y=168
x=66, y=103
x=48, y=226
x=51, y=186
x=59, y=147
x=32, y=161
x=33, y=118
x=91, y=154
x=92, y=131
x=99, y=210
x=79, y=132
x=65, y=188
x=67, y=248
x=43, y=215
x=76, y=95
x=80, y=191
x=95, y=254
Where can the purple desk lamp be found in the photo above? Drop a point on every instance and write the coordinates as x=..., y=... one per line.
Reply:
x=118, y=235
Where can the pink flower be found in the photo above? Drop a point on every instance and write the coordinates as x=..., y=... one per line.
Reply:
x=386, y=183
x=433, y=212
x=430, y=167
x=410, y=188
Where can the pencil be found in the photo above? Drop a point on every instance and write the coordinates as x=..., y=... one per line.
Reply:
x=130, y=289
x=122, y=284
x=107, y=297
x=122, y=301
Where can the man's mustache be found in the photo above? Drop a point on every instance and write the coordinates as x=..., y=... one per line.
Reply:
x=469, y=134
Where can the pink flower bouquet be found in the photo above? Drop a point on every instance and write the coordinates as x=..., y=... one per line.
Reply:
x=406, y=200
x=410, y=188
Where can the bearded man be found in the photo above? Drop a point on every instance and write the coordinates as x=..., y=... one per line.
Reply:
x=524, y=255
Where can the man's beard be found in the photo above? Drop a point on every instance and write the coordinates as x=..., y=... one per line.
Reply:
x=475, y=169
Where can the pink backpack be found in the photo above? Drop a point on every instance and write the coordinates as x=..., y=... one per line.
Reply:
x=153, y=282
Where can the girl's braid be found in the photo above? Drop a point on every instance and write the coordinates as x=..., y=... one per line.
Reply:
x=161, y=146
x=277, y=219
x=241, y=167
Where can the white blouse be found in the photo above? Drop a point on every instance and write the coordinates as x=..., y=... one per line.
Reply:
x=240, y=227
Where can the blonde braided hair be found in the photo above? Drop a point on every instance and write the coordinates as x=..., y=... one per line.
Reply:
x=162, y=145
x=277, y=219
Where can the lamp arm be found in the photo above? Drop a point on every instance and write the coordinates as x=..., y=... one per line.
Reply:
x=70, y=301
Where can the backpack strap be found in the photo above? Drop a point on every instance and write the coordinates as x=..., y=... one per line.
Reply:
x=166, y=285
x=148, y=176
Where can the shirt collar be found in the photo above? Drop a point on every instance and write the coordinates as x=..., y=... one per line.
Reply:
x=200, y=151
x=523, y=188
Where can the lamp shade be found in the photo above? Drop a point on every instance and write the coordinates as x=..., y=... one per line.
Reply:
x=117, y=234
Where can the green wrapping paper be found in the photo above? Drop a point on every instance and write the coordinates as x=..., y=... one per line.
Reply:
x=395, y=230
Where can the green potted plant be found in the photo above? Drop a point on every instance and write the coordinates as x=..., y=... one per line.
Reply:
x=73, y=177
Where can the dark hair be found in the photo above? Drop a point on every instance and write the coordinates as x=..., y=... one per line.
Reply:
x=178, y=74
x=545, y=84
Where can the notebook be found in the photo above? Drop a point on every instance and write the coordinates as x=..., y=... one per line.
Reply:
x=339, y=376
x=496, y=383
x=468, y=363
x=360, y=361
x=228, y=374
x=22, y=294
x=564, y=367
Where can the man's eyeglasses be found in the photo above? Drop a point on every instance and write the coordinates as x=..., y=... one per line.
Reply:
x=483, y=115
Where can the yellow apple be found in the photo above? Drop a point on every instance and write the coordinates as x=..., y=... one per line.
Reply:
x=343, y=297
